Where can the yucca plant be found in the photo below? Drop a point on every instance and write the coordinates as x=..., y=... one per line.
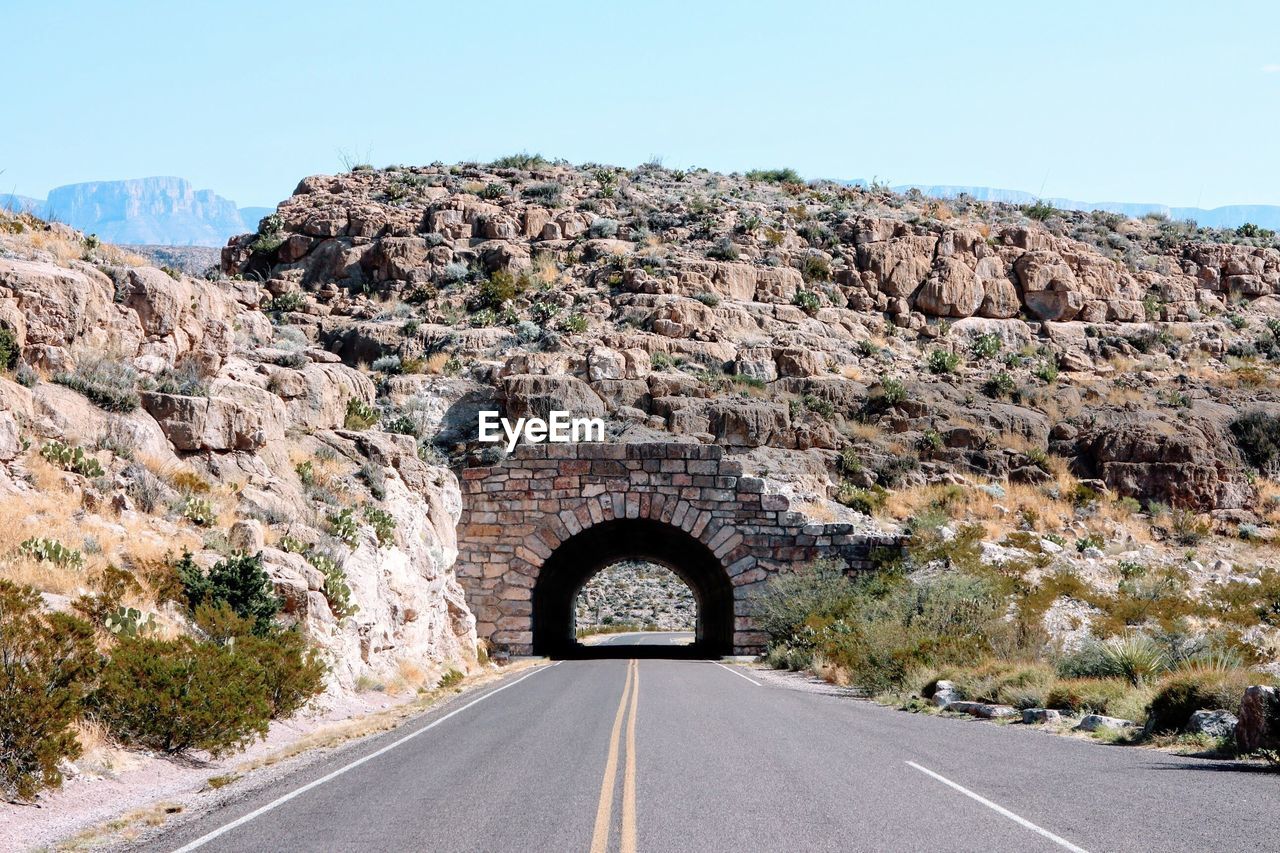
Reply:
x=1134, y=657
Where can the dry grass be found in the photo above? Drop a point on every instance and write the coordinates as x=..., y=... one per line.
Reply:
x=434, y=363
x=865, y=432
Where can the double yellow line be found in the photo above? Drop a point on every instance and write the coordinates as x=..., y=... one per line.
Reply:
x=604, y=812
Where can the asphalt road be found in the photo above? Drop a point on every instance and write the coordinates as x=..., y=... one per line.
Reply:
x=674, y=755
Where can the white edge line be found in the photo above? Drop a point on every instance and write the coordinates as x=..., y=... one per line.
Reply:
x=1000, y=810
x=735, y=672
x=240, y=821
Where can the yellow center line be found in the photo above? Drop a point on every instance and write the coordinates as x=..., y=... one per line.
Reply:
x=628, y=844
x=604, y=811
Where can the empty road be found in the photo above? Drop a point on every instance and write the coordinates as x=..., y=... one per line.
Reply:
x=658, y=754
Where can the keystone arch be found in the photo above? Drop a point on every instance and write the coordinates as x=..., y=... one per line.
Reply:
x=536, y=526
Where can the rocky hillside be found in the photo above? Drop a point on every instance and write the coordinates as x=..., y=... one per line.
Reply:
x=146, y=413
x=1073, y=374
x=636, y=594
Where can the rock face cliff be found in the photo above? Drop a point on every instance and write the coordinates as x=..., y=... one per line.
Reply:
x=164, y=211
x=211, y=429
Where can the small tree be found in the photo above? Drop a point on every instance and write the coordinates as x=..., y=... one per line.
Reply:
x=239, y=581
x=47, y=665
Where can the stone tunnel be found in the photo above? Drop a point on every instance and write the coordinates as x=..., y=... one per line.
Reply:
x=538, y=525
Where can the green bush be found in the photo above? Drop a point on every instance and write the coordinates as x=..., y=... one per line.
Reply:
x=807, y=301
x=1182, y=693
x=942, y=361
x=47, y=666
x=775, y=176
x=985, y=346
x=177, y=695
x=1257, y=434
x=293, y=672
x=360, y=415
x=240, y=582
x=10, y=352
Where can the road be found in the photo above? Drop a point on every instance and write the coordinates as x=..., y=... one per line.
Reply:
x=673, y=755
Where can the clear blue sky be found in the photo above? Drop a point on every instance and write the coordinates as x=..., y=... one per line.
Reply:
x=1176, y=102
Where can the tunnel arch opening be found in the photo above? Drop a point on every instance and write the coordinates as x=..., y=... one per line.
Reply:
x=636, y=595
x=581, y=556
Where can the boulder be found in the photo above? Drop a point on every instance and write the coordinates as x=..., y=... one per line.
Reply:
x=953, y=290
x=984, y=710
x=1031, y=716
x=1100, y=722
x=1219, y=724
x=944, y=693
x=524, y=395
x=1258, y=725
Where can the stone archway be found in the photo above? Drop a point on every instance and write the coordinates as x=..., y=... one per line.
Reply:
x=686, y=507
x=585, y=553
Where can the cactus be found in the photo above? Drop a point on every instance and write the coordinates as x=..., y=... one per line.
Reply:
x=130, y=622
x=343, y=526
x=199, y=511
x=72, y=459
x=336, y=590
x=50, y=551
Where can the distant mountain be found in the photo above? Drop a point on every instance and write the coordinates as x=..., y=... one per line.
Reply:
x=1230, y=216
x=144, y=211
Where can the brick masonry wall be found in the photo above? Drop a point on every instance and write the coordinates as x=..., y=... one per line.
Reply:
x=515, y=514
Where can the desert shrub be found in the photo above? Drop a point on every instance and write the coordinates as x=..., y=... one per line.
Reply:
x=1134, y=657
x=109, y=383
x=1182, y=693
x=546, y=193
x=72, y=459
x=985, y=346
x=707, y=298
x=293, y=671
x=815, y=268
x=807, y=301
x=999, y=385
x=1046, y=370
x=1087, y=695
x=819, y=590
x=10, y=352
x=786, y=657
x=723, y=250
x=240, y=582
x=1187, y=527
x=603, y=228
x=450, y=679
x=1248, y=603
x=387, y=364
x=47, y=666
x=524, y=160
x=1257, y=434
x=866, y=501
x=942, y=361
x=177, y=695
x=497, y=290
x=1039, y=210
x=775, y=176
x=360, y=415
x=1018, y=683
